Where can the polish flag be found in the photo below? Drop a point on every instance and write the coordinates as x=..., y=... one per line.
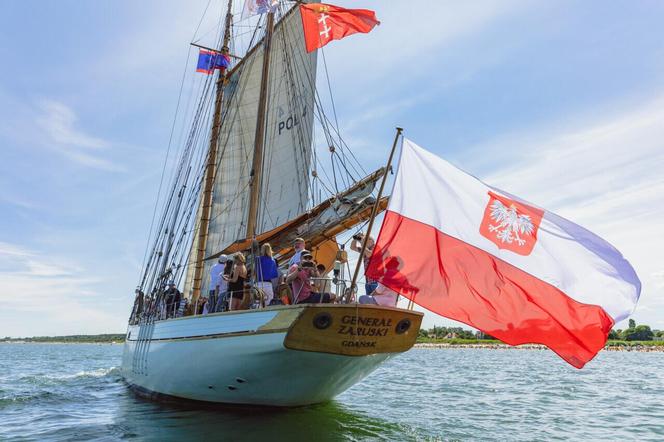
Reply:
x=478, y=255
x=323, y=23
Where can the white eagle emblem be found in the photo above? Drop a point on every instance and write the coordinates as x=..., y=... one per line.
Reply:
x=510, y=225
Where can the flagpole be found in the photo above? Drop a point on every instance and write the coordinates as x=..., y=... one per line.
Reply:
x=374, y=212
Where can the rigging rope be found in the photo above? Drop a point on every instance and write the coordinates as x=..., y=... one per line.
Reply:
x=163, y=170
x=177, y=228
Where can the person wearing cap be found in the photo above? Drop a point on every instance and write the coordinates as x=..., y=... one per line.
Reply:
x=266, y=272
x=304, y=290
x=298, y=246
x=216, y=272
x=299, y=277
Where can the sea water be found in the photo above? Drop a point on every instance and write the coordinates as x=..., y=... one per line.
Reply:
x=57, y=392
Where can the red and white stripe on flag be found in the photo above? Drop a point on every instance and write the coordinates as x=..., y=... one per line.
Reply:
x=481, y=256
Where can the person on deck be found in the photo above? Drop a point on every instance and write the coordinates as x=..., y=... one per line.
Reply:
x=172, y=297
x=299, y=277
x=138, y=305
x=305, y=255
x=222, y=298
x=216, y=278
x=303, y=288
x=381, y=296
x=298, y=246
x=236, y=281
x=356, y=245
x=322, y=287
x=324, y=284
x=266, y=271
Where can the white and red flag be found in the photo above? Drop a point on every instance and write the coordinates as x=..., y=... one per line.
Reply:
x=323, y=23
x=254, y=7
x=481, y=256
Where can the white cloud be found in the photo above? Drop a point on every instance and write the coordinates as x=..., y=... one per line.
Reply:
x=58, y=122
x=44, y=295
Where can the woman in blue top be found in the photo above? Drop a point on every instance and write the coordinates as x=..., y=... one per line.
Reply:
x=266, y=272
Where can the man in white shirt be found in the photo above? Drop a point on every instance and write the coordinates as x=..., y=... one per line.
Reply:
x=215, y=280
x=298, y=246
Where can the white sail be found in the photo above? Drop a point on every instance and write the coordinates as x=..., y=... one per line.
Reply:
x=289, y=124
x=288, y=138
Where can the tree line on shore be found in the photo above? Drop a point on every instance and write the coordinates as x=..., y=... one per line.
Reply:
x=89, y=339
x=632, y=333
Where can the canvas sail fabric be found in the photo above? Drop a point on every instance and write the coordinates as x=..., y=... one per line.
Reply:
x=191, y=261
x=288, y=138
x=478, y=255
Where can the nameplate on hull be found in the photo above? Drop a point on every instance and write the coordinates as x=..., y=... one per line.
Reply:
x=354, y=330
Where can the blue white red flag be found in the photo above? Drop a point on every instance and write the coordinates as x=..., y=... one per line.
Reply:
x=253, y=7
x=208, y=61
x=479, y=255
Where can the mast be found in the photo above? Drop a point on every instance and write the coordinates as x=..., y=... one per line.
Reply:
x=211, y=166
x=257, y=163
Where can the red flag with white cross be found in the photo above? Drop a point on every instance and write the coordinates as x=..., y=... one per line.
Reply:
x=323, y=23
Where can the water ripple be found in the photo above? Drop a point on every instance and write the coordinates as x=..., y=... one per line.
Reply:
x=51, y=392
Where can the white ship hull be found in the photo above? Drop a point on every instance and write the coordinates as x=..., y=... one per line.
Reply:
x=243, y=358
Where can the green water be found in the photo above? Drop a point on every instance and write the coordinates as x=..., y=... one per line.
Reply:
x=74, y=392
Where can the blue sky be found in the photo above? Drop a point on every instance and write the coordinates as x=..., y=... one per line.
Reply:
x=561, y=103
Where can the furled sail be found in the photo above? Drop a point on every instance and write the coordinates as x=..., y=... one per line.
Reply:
x=336, y=215
x=288, y=138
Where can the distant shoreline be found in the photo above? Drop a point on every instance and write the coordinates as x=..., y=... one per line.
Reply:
x=649, y=346
x=110, y=338
x=22, y=342
x=425, y=343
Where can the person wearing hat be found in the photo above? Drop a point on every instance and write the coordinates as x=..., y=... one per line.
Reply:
x=305, y=256
x=215, y=282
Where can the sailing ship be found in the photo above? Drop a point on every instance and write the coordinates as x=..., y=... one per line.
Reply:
x=255, y=179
